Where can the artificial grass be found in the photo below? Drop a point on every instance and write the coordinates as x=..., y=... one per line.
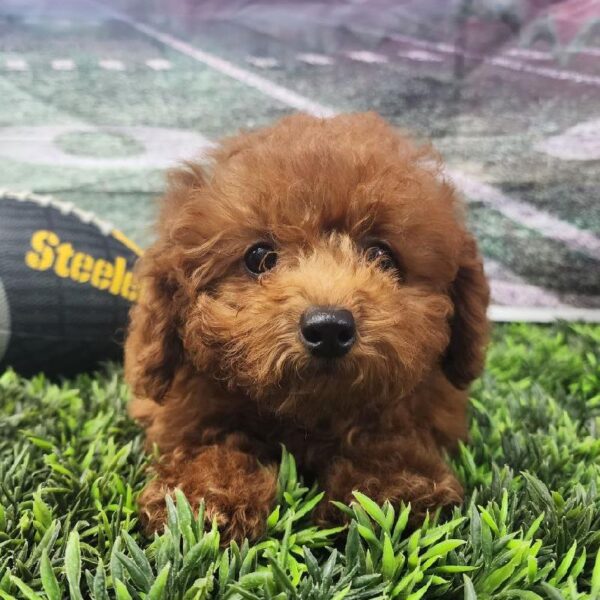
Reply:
x=71, y=464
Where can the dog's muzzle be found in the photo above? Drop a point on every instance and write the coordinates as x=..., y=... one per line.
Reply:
x=327, y=332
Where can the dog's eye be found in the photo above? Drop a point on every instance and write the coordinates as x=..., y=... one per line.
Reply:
x=382, y=255
x=260, y=258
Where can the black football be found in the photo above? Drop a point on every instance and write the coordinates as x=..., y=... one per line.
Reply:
x=66, y=286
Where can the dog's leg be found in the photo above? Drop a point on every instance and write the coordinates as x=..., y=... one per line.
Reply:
x=237, y=490
x=394, y=470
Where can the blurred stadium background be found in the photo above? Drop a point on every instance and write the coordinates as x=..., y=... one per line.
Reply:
x=98, y=98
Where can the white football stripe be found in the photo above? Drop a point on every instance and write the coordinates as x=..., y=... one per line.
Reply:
x=63, y=64
x=262, y=62
x=510, y=289
x=527, y=53
x=513, y=299
x=420, y=55
x=549, y=72
x=159, y=64
x=439, y=46
x=527, y=215
x=16, y=64
x=367, y=57
x=310, y=58
x=267, y=87
x=531, y=54
x=505, y=293
x=111, y=65
x=503, y=62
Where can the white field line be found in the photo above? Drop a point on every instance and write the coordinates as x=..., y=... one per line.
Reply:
x=529, y=54
x=436, y=46
x=262, y=62
x=506, y=293
x=371, y=58
x=420, y=55
x=267, y=87
x=159, y=64
x=63, y=64
x=520, y=301
x=67, y=64
x=16, y=64
x=509, y=289
x=525, y=214
x=320, y=60
x=110, y=64
x=549, y=72
x=503, y=62
x=520, y=211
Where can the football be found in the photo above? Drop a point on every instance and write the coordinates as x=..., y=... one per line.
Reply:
x=66, y=286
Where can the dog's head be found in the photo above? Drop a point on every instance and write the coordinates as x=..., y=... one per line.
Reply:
x=317, y=263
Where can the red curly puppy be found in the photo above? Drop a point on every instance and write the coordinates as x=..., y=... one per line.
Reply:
x=315, y=286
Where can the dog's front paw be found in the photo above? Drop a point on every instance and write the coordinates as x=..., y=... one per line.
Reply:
x=153, y=507
x=425, y=494
x=327, y=514
x=237, y=492
x=444, y=493
x=238, y=519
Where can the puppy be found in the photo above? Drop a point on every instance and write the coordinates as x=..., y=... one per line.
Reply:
x=314, y=286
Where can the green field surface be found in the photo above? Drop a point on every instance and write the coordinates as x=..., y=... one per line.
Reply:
x=71, y=465
x=189, y=97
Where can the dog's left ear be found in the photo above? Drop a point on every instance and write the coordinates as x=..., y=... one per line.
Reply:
x=465, y=355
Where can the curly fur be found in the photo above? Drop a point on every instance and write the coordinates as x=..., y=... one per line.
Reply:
x=219, y=375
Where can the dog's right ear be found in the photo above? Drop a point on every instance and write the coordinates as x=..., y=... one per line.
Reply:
x=154, y=350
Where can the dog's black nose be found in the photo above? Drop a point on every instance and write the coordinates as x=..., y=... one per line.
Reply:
x=327, y=332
